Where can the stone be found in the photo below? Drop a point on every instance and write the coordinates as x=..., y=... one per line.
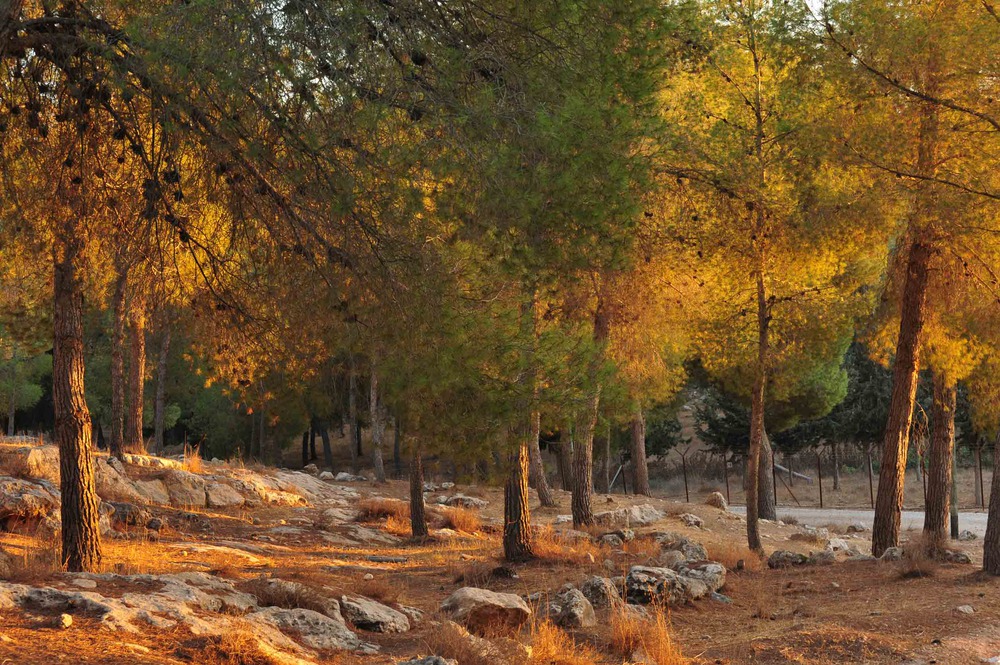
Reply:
x=892, y=554
x=575, y=610
x=965, y=609
x=155, y=524
x=712, y=574
x=786, y=559
x=967, y=535
x=221, y=495
x=65, y=621
x=691, y=520
x=810, y=534
x=314, y=629
x=645, y=585
x=671, y=541
x=481, y=609
x=153, y=491
x=185, y=488
x=840, y=545
x=670, y=558
x=326, y=475
x=344, y=477
x=26, y=501
x=641, y=515
x=857, y=527
x=128, y=514
x=310, y=468
x=611, y=540
x=600, y=591
x=716, y=500
x=955, y=556
x=462, y=501
x=112, y=484
x=428, y=660
x=367, y=614
x=412, y=613
x=368, y=577
x=822, y=558
x=33, y=462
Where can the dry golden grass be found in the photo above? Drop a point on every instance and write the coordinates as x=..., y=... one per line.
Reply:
x=552, y=646
x=192, y=460
x=652, y=636
x=729, y=554
x=550, y=545
x=237, y=646
x=381, y=589
x=642, y=548
x=398, y=526
x=475, y=573
x=450, y=640
x=287, y=596
x=461, y=519
x=373, y=510
x=920, y=559
x=36, y=562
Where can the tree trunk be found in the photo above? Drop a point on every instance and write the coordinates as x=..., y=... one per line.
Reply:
x=978, y=478
x=536, y=470
x=11, y=406
x=640, y=470
x=305, y=448
x=81, y=542
x=324, y=434
x=759, y=447
x=905, y=376
x=836, y=467
x=161, y=390
x=991, y=542
x=583, y=448
x=418, y=521
x=937, y=501
x=117, y=438
x=136, y=376
x=603, y=444
x=767, y=505
x=352, y=416
x=397, y=458
x=312, y=439
x=516, y=512
x=377, y=415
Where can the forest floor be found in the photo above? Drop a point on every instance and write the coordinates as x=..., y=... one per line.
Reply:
x=848, y=612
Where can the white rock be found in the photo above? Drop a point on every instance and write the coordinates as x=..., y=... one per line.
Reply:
x=480, y=609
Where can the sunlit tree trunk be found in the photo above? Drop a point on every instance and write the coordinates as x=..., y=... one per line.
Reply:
x=81, y=543
x=905, y=376
x=583, y=445
x=939, y=479
x=758, y=458
x=767, y=506
x=640, y=469
x=119, y=324
x=517, y=515
x=161, y=391
x=136, y=375
x=603, y=444
x=418, y=520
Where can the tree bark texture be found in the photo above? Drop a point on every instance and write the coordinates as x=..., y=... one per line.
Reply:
x=377, y=415
x=161, y=390
x=136, y=375
x=640, y=469
x=937, y=501
x=991, y=542
x=516, y=512
x=536, y=476
x=119, y=324
x=418, y=520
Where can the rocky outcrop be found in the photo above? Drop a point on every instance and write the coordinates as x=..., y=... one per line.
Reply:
x=671, y=541
x=712, y=574
x=571, y=609
x=367, y=614
x=600, y=591
x=26, y=501
x=786, y=559
x=644, y=585
x=641, y=515
x=314, y=629
x=716, y=500
x=480, y=609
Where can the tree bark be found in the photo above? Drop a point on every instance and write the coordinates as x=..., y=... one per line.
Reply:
x=516, y=512
x=991, y=542
x=640, y=469
x=767, y=506
x=758, y=437
x=978, y=478
x=583, y=448
x=119, y=324
x=564, y=459
x=397, y=458
x=377, y=415
x=81, y=542
x=324, y=434
x=161, y=390
x=136, y=375
x=418, y=521
x=905, y=376
x=352, y=416
x=536, y=475
x=603, y=444
x=937, y=501
x=836, y=467
x=305, y=448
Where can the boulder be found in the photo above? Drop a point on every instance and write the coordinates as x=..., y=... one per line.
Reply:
x=600, y=591
x=221, y=495
x=955, y=556
x=572, y=609
x=185, y=488
x=462, y=501
x=644, y=585
x=26, y=501
x=310, y=468
x=822, y=558
x=967, y=535
x=344, y=477
x=786, y=559
x=892, y=554
x=641, y=515
x=428, y=660
x=326, y=475
x=112, y=483
x=671, y=541
x=366, y=614
x=857, y=527
x=716, y=500
x=691, y=520
x=315, y=630
x=810, y=534
x=670, y=558
x=152, y=491
x=612, y=540
x=712, y=574
x=128, y=514
x=480, y=609
x=35, y=462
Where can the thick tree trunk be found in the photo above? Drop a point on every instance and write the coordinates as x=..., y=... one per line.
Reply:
x=119, y=324
x=836, y=466
x=937, y=501
x=353, y=444
x=81, y=543
x=377, y=415
x=905, y=376
x=991, y=542
x=759, y=447
x=161, y=391
x=640, y=470
x=516, y=512
x=136, y=376
x=767, y=506
x=418, y=520
x=536, y=475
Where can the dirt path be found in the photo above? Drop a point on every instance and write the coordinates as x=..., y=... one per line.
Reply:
x=911, y=519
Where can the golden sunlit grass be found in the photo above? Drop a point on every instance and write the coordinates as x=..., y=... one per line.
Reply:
x=919, y=559
x=552, y=546
x=288, y=596
x=552, y=646
x=381, y=589
x=237, y=646
x=652, y=636
x=398, y=525
x=729, y=554
x=33, y=561
x=461, y=519
x=642, y=548
x=450, y=640
x=192, y=459
x=375, y=509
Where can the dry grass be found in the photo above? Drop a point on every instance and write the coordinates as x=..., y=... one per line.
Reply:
x=552, y=646
x=788, y=519
x=919, y=559
x=192, y=460
x=631, y=633
x=373, y=510
x=476, y=573
x=549, y=545
x=36, y=562
x=450, y=640
x=237, y=646
x=642, y=549
x=381, y=589
x=461, y=519
x=288, y=596
x=730, y=554
x=398, y=526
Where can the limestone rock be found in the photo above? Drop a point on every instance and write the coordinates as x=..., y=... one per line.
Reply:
x=712, y=574
x=428, y=660
x=221, y=495
x=692, y=520
x=314, y=629
x=786, y=559
x=644, y=585
x=892, y=554
x=185, y=488
x=671, y=541
x=967, y=535
x=367, y=614
x=641, y=515
x=600, y=591
x=26, y=501
x=479, y=609
x=716, y=500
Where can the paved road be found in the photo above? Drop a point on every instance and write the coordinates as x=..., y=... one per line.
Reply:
x=911, y=519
